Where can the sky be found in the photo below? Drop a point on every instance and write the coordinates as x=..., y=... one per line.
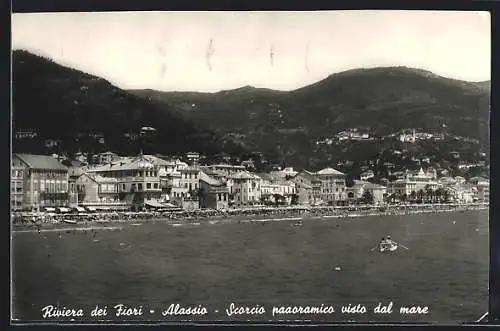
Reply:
x=213, y=51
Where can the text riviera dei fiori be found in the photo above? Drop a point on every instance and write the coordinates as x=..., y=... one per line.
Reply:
x=121, y=310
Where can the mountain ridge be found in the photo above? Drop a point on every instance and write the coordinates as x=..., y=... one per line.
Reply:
x=284, y=126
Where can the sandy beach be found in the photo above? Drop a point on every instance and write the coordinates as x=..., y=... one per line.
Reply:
x=103, y=220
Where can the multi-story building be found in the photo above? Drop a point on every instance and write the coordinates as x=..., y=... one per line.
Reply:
x=138, y=180
x=100, y=192
x=213, y=193
x=308, y=187
x=45, y=181
x=190, y=181
x=17, y=187
x=275, y=189
x=359, y=189
x=482, y=188
x=193, y=158
x=414, y=183
x=333, y=186
x=461, y=193
x=246, y=188
x=303, y=186
x=105, y=158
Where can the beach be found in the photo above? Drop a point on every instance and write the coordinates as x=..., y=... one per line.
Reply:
x=38, y=221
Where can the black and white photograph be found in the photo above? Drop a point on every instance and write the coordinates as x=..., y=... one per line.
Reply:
x=250, y=166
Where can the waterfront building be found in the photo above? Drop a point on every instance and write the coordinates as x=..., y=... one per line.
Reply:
x=96, y=191
x=214, y=193
x=44, y=181
x=17, y=187
x=333, y=186
x=413, y=183
x=276, y=189
x=356, y=192
x=245, y=188
x=304, y=187
x=138, y=180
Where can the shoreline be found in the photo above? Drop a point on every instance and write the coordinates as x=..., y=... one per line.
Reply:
x=46, y=221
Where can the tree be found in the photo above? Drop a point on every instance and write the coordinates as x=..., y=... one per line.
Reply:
x=349, y=181
x=404, y=197
x=413, y=196
x=420, y=195
x=428, y=193
x=367, y=197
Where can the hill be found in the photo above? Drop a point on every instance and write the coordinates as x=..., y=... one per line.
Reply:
x=383, y=99
x=86, y=113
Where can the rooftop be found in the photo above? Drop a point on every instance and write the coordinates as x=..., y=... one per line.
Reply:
x=44, y=162
x=329, y=171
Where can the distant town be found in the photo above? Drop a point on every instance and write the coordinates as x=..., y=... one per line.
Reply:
x=107, y=181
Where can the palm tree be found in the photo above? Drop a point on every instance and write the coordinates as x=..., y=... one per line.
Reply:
x=428, y=193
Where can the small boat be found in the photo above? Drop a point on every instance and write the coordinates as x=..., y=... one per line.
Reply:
x=387, y=247
x=69, y=221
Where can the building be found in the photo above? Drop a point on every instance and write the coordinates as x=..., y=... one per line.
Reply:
x=17, y=187
x=94, y=190
x=482, y=187
x=45, y=181
x=357, y=192
x=462, y=193
x=367, y=175
x=304, y=187
x=105, y=158
x=214, y=194
x=138, y=180
x=275, y=189
x=333, y=186
x=25, y=134
x=408, y=137
x=245, y=188
x=413, y=183
x=227, y=169
x=249, y=165
x=193, y=158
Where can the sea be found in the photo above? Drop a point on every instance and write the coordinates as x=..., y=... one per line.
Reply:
x=257, y=270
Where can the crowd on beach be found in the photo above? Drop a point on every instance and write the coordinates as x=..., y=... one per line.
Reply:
x=40, y=218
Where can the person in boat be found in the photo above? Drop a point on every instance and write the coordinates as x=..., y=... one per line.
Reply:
x=389, y=240
x=386, y=243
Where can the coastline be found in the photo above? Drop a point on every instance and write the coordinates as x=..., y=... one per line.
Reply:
x=32, y=222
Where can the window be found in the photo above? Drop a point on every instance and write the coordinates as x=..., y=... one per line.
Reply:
x=139, y=186
x=123, y=187
x=148, y=185
x=155, y=185
x=185, y=185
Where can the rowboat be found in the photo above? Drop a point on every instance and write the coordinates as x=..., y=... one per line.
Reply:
x=387, y=247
